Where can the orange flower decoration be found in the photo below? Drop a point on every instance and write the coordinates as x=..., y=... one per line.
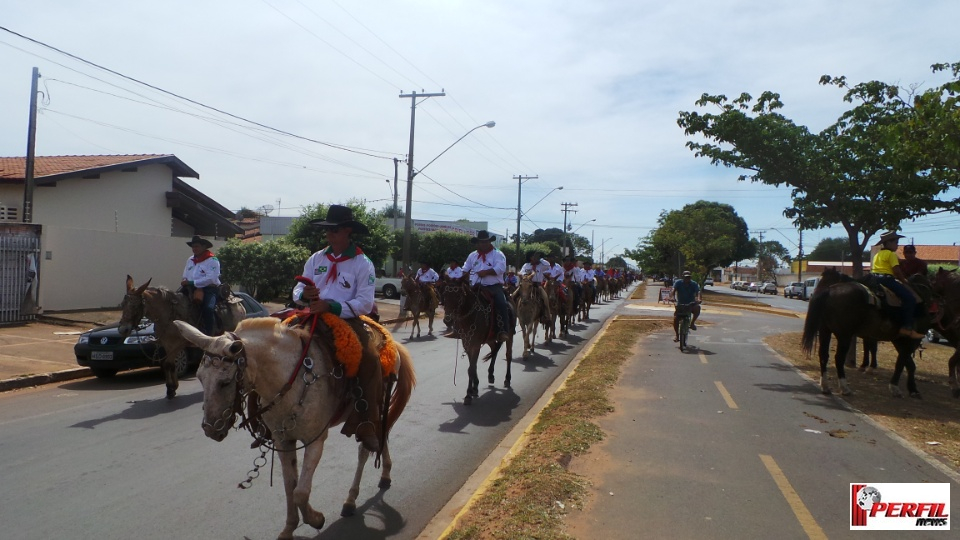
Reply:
x=388, y=352
x=345, y=343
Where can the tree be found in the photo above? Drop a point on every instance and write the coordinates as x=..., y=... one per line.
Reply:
x=439, y=247
x=858, y=172
x=375, y=245
x=831, y=249
x=616, y=262
x=700, y=236
x=770, y=255
x=264, y=269
x=245, y=213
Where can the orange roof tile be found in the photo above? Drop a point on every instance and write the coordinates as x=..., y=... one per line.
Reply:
x=14, y=168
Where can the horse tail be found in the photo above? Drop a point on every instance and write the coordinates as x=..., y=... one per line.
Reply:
x=493, y=351
x=406, y=380
x=811, y=327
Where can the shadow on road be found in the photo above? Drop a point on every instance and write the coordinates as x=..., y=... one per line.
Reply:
x=391, y=522
x=494, y=406
x=139, y=410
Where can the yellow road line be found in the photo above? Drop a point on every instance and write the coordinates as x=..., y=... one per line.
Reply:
x=726, y=395
x=703, y=358
x=804, y=516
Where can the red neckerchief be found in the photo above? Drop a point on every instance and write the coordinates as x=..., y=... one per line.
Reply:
x=202, y=257
x=483, y=254
x=332, y=273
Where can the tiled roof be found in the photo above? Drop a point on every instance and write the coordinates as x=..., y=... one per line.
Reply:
x=936, y=254
x=14, y=168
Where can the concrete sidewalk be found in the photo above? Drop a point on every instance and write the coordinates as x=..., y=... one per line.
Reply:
x=41, y=352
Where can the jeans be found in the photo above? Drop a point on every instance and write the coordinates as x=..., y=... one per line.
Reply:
x=500, y=304
x=208, y=321
x=907, y=300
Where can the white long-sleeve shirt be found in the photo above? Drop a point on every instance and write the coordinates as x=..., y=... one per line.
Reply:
x=203, y=273
x=454, y=273
x=430, y=276
x=351, y=290
x=536, y=269
x=491, y=260
x=555, y=272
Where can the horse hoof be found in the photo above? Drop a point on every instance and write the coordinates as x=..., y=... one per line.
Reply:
x=171, y=393
x=506, y=384
x=348, y=510
x=468, y=400
x=916, y=395
x=862, y=369
x=825, y=391
x=491, y=379
x=895, y=392
x=384, y=483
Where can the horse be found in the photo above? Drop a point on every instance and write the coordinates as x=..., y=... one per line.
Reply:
x=946, y=286
x=553, y=303
x=845, y=308
x=587, y=301
x=528, y=312
x=418, y=301
x=567, y=308
x=163, y=306
x=869, y=355
x=472, y=315
x=265, y=359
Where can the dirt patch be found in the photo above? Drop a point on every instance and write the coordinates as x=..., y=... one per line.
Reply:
x=933, y=419
x=535, y=489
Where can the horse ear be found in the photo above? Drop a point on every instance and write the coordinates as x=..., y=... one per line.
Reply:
x=129, y=283
x=144, y=286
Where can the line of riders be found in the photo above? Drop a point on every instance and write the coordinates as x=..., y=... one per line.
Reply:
x=341, y=281
x=571, y=278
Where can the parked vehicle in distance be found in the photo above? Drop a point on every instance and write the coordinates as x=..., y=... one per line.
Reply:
x=794, y=289
x=808, y=286
x=389, y=287
x=769, y=288
x=753, y=286
x=737, y=285
x=105, y=352
x=708, y=281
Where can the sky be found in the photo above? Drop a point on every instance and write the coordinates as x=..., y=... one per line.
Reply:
x=585, y=95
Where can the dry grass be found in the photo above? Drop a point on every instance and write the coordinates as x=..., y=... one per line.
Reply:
x=522, y=501
x=935, y=418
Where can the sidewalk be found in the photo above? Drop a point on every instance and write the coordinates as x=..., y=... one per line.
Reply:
x=41, y=352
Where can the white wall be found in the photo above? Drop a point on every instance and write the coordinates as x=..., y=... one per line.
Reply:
x=88, y=269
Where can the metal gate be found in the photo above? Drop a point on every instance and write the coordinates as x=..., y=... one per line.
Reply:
x=19, y=272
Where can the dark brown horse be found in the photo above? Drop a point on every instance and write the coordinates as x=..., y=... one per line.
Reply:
x=946, y=286
x=472, y=315
x=163, y=306
x=843, y=307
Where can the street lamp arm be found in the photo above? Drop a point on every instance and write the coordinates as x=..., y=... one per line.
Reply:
x=489, y=124
x=544, y=197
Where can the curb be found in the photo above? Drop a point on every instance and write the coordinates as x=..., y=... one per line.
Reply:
x=41, y=379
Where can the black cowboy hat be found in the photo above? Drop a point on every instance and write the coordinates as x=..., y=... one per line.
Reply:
x=200, y=240
x=340, y=216
x=482, y=235
x=887, y=236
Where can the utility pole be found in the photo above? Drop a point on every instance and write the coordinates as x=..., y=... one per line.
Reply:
x=407, y=222
x=520, y=178
x=396, y=169
x=800, y=258
x=566, y=208
x=760, y=258
x=28, y=183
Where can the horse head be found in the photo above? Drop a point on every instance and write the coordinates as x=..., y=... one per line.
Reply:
x=944, y=280
x=453, y=292
x=220, y=374
x=132, y=307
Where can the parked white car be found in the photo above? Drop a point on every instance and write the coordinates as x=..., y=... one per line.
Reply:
x=769, y=288
x=794, y=289
x=753, y=286
x=389, y=287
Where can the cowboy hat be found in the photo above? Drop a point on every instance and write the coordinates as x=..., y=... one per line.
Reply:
x=887, y=236
x=482, y=235
x=686, y=273
x=200, y=240
x=340, y=216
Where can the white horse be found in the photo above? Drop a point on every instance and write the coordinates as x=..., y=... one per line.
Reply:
x=528, y=312
x=263, y=356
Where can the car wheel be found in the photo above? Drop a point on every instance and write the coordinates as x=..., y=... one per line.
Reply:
x=389, y=291
x=183, y=364
x=101, y=373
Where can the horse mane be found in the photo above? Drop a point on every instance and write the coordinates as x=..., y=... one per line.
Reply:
x=276, y=325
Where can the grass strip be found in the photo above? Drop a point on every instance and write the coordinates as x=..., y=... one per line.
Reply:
x=535, y=489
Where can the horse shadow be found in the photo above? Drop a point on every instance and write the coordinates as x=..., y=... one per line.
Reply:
x=137, y=378
x=391, y=520
x=806, y=393
x=492, y=408
x=147, y=408
x=537, y=362
x=423, y=337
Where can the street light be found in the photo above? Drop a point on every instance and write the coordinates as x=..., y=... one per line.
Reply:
x=519, y=184
x=603, y=259
x=407, y=221
x=578, y=228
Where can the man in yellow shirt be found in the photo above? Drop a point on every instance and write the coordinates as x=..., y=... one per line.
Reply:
x=886, y=268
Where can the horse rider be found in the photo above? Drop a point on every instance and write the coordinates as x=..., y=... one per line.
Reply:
x=575, y=274
x=486, y=266
x=685, y=291
x=589, y=275
x=201, y=279
x=886, y=268
x=556, y=271
x=426, y=277
x=344, y=281
x=454, y=271
x=537, y=266
x=911, y=264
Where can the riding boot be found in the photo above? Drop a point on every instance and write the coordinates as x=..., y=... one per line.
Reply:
x=366, y=391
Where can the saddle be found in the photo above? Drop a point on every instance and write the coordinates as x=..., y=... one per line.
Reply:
x=491, y=306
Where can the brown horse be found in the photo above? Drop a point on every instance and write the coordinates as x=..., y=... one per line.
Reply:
x=587, y=300
x=472, y=315
x=846, y=308
x=528, y=312
x=163, y=306
x=946, y=286
x=421, y=298
x=287, y=396
x=567, y=308
x=553, y=302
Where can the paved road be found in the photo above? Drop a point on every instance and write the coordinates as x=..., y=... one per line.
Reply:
x=113, y=459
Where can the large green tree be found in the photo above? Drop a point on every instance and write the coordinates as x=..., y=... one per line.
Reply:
x=439, y=247
x=700, y=236
x=831, y=249
x=264, y=269
x=375, y=245
x=878, y=165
